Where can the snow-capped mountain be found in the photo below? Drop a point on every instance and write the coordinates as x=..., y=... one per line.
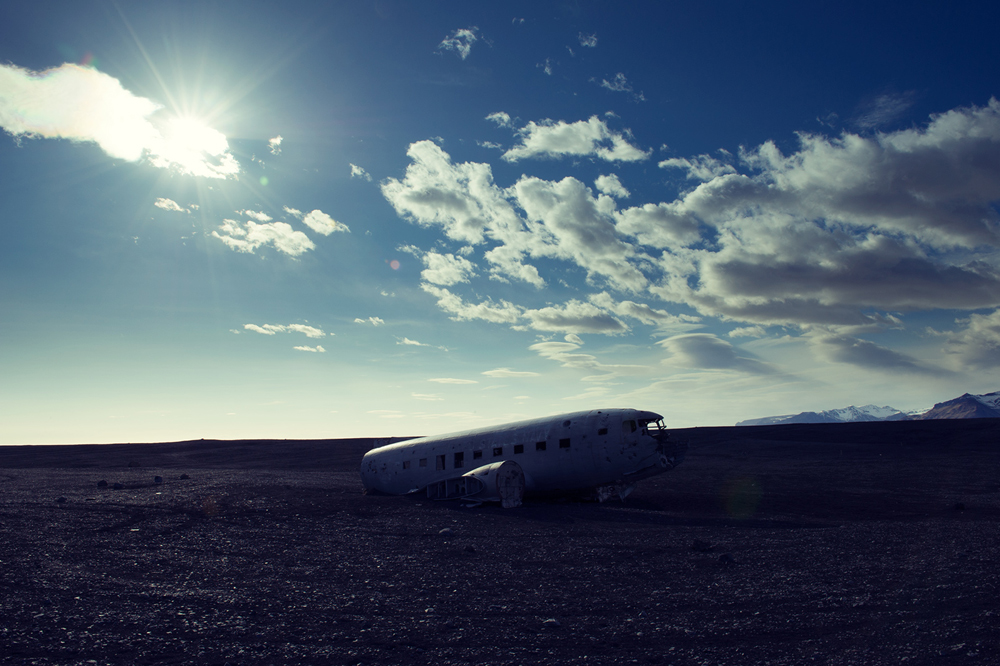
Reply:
x=966, y=406
x=963, y=407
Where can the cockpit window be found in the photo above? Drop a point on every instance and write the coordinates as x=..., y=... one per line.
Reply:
x=628, y=427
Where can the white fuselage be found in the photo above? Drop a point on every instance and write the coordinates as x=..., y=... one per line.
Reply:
x=560, y=453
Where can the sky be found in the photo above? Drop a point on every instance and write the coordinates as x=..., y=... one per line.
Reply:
x=316, y=220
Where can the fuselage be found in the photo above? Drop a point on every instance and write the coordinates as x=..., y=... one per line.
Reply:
x=560, y=453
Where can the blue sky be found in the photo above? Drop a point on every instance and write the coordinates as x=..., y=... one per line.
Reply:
x=235, y=220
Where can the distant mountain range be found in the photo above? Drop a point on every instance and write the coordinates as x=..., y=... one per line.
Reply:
x=966, y=406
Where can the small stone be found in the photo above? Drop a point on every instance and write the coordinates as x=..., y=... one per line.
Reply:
x=184, y=477
x=551, y=623
x=102, y=484
x=157, y=479
x=61, y=500
x=446, y=532
x=726, y=559
x=960, y=506
x=701, y=546
x=119, y=486
x=134, y=463
x=469, y=549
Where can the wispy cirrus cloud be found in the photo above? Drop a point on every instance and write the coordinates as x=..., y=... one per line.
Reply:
x=507, y=373
x=83, y=104
x=460, y=42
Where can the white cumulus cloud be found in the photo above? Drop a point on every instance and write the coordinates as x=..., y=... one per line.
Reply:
x=592, y=137
x=249, y=236
x=169, y=204
x=82, y=104
x=322, y=223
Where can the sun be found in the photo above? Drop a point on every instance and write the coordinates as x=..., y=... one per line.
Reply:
x=189, y=145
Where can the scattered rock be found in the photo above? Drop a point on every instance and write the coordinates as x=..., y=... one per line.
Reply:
x=134, y=463
x=446, y=532
x=184, y=477
x=551, y=623
x=157, y=479
x=960, y=506
x=61, y=500
x=102, y=484
x=702, y=546
x=119, y=486
x=726, y=559
x=469, y=549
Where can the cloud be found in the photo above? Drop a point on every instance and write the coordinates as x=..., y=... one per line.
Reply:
x=701, y=167
x=611, y=186
x=620, y=84
x=427, y=396
x=642, y=312
x=266, y=329
x=358, y=172
x=843, y=228
x=592, y=137
x=977, y=345
x=884, y=109
x=316, y=349
x=460, y=42
x=256, y=215
x=308, y=331
x=322, y=223
x=293, y=211
x=706, y=351
x=578, y=227
x=82, y=104
x=501, y=118
x=374, y=321
x=747, y=332
x=546, y=66
x=502, y=313
x=275, y=145
x=565, y=354
x=271, y=329
x=412, y=343
x=446, y=269
x=587, y=40
x=169, y=204
x=868, y=355
x=451, y=380
x=575, y=317
x=247, y=237
x=505, y=373
x=489, y=144
x=842, y=234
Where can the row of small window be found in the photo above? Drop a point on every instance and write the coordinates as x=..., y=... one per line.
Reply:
x=459, y=457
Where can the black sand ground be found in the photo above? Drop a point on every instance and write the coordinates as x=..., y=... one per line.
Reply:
x=846, y=544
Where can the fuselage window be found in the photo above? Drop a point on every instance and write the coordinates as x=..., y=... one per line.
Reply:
x=539, y=446
x=459, y=459
x=423, y=462
x=497, y=451
x=602, y=431
x=628, y=427
x=564, y=443
x=406, y=464
x=519, y=448
x=476, y=455
x=440, y=462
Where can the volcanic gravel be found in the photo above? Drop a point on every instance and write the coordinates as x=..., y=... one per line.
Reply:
x=843, y=544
